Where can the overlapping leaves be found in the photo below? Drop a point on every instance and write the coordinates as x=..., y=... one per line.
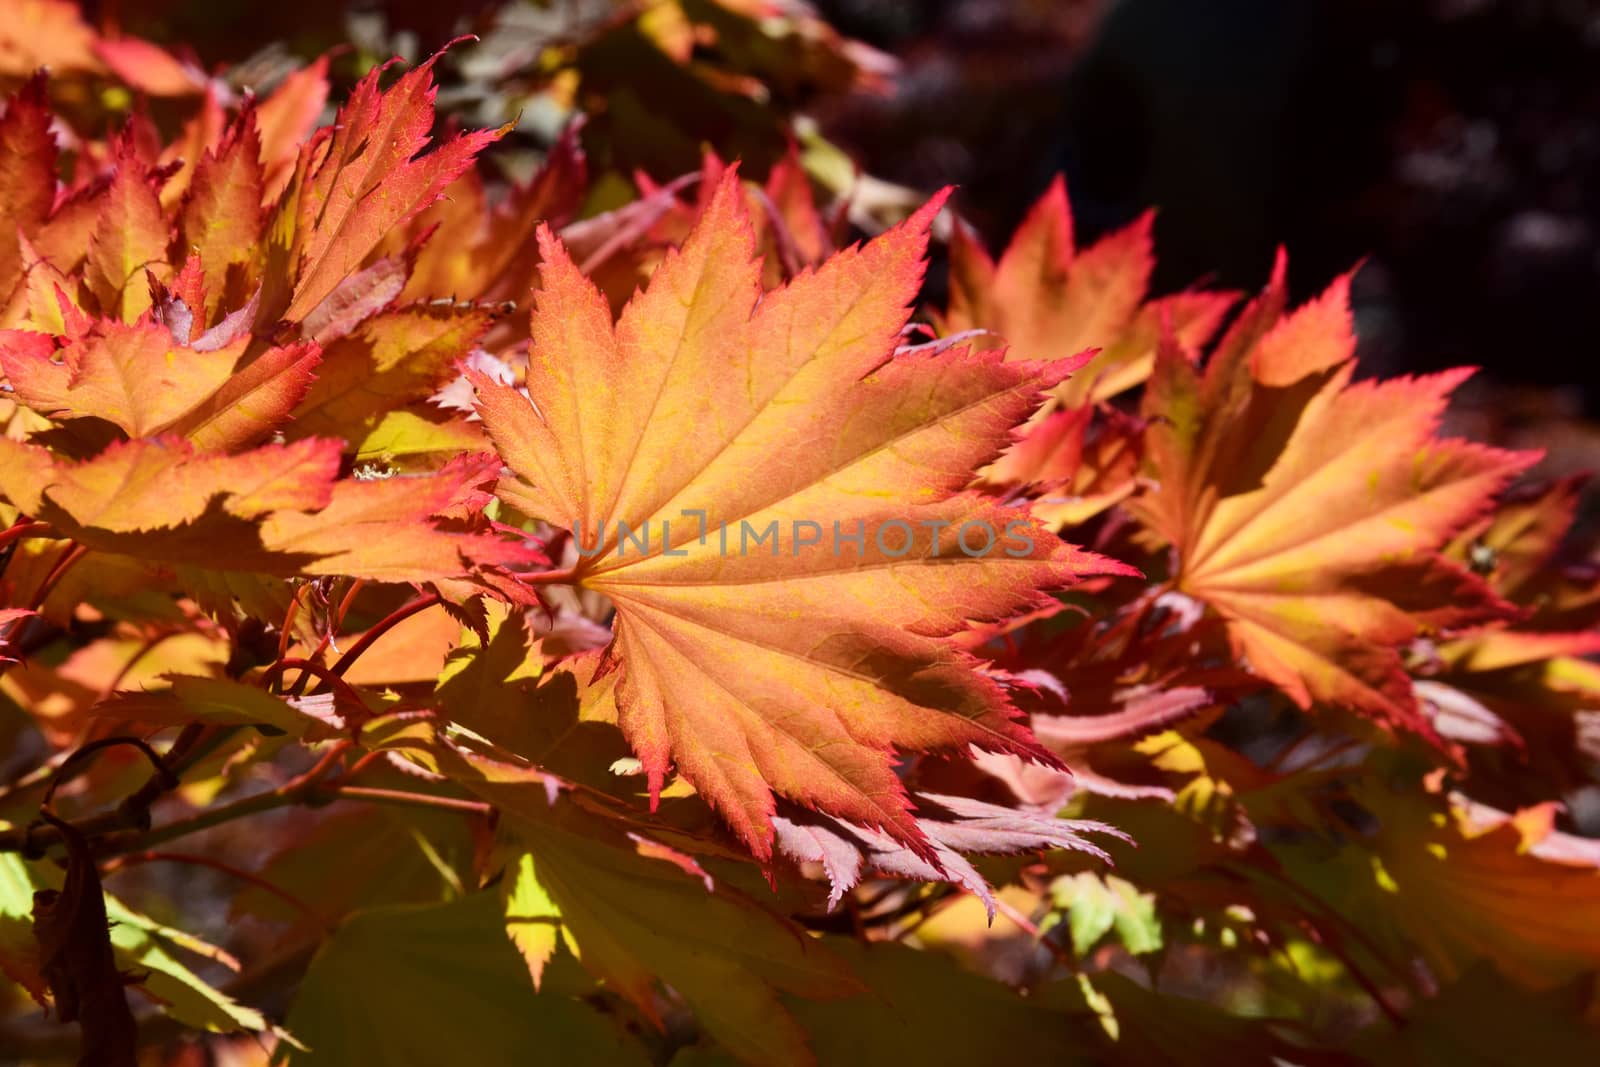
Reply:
x=796, y=666
x=236, y=429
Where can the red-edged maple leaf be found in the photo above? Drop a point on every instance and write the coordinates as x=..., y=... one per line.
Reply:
x=392, y=359
x=130, y=237
x=1526, y=550
x=221, y=220
x=1528, y=682
x=790, y=232
x=276, y=509
x=1050, y=300
x=1309, y=511
x=797, y=664
x=1074, y=463
x=357, y=180
x=139, y=377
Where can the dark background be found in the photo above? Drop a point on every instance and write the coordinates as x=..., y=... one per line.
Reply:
x=1453, y=146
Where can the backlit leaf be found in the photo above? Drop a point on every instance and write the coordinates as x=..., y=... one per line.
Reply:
x=446, y=961
x=1049, y=300
x=1310, y=511
x=786, y=668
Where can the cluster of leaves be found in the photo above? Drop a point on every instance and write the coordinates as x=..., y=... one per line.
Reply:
x=613, y=672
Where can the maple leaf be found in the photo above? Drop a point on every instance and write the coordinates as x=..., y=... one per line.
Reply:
x=1093, y=905
x=46, y=33
x=76, y=958
x=1139, y=1025
x=148, y=68
x=27, y=175
x=1309, y=511
x=1484, y=1018
x=1074, y=462
x=790, y=232
x=1526, y=683
x=256, y=399
x=180, y=157
x=1527, y=552
x=634, y=918
x=130, y=236
x=11, y=620
x=357, y=180
x=186, y=698
x=277, y=509
x=285, y=120
x=139, y=377
x=789, y=669
x=393, y=358
x=221, y=221
x=912, y=996
x=448, y=960
x=1051, y=301
x=482, y=252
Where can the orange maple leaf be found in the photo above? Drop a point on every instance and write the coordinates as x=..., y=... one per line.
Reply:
x=712, y=414
x=27, y=175
x=1311, y=512
x=1050, y=300
x=137, y=377
x=276, y=509
x=221, y=220
x=354, y=182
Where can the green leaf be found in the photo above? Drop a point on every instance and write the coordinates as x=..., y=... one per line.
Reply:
x=1097, y=903
x=533, y=921
x=184, y=995
x=141, y=946
x=359, y=857
x=923, y=1009
x=19, y=952
x=1139, y=1026
x=441, y=984
x=633, y=919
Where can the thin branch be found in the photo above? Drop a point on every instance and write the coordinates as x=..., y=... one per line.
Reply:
x=132, y=813
x=35, y=777
x=25, y=528
x=383, y=626
x=286, y=631
x=305, y=666
x=63, y=565
x=346, y=604
x=559, y=576
x=421, y=800
x=195, y=860
x=112, y=839
x=377, y=755
x=133, y=840
x=334, y=622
